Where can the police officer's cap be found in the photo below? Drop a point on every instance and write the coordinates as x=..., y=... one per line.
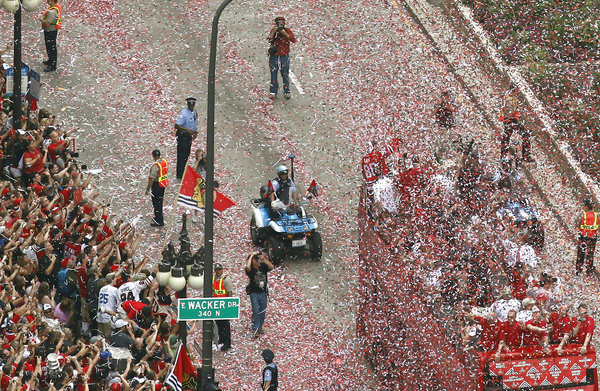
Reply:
x=156, y=152
x=268, y=355
x=191, y=98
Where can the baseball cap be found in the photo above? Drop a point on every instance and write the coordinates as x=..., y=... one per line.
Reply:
x=268, y=355
x=120, y=323
x=46, y=307
x=218, y=265
x=105, y=355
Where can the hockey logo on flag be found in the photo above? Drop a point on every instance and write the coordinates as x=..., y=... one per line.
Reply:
x=183, y=376
x=192, y=194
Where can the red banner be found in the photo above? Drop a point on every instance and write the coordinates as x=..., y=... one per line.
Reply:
x=518, y=371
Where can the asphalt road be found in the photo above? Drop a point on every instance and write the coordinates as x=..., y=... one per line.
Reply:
x=362, y=70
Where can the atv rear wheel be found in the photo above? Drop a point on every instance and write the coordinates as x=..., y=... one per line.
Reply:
x=254, y=232
x=315, y=245
x=275, y=250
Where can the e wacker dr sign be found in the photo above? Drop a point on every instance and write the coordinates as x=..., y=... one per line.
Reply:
x=209, y=308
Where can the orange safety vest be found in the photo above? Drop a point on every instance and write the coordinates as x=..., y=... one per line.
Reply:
x=589, y=224
x=163, y=179
x=58, y=17
x=219, y=287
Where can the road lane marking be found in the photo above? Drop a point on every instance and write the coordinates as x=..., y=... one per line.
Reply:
x=296, y=83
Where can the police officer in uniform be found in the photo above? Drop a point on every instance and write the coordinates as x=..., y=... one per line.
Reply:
x=222, y=288
x=283, y=186
x=269, y=377
x=157, y=182
x=588, y=230
x=51, y=23
x=186, y=130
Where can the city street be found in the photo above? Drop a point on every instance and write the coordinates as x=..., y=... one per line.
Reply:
x=361, y=71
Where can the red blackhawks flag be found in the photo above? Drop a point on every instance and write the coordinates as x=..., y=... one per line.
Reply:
x=191, y=193
x=183, y=376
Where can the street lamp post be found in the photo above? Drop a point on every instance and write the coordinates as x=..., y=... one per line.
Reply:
x=17, y=105
x=207, y=330
x=180, y=270
x=15, y=6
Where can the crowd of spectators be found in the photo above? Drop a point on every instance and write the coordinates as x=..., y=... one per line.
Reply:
x=470, y=236
x=76, y=310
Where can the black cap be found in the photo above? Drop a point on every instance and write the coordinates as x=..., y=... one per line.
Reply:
x=191, y=98
x=156, y=152
x=268, y=355
x=218, y=266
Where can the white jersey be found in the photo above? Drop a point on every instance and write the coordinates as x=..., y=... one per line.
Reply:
x=108, y=299
x=131, y=290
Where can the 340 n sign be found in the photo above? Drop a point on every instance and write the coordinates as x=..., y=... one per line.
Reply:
x=209, y=308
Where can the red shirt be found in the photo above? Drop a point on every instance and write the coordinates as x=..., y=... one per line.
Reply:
x=533, y=338
x=133, y=308
x=373, y=165
x=38, y=166
x=489, y=333
x=105, y=233
x=72, y=250
x=586, y=327
x=560, y=326
x=53, y=150
x=511, y=334
x=518, y=283
x=82, y=279
x=283, y=43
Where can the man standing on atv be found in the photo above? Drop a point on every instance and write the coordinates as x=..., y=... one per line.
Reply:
x=283, y=187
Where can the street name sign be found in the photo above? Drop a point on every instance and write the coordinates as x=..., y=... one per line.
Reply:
x=208, y=308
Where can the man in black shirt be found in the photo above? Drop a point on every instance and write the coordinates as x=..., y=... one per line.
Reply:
x=257, y=267
x=122, y=336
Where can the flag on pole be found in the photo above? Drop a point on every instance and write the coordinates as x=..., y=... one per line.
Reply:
x=313, y=188
x=183, y=376
x=191, y=194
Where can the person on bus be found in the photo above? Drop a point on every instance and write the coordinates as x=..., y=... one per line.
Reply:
x=582, y=330
x=536, y=331
x=560, y=323
x=510, y=335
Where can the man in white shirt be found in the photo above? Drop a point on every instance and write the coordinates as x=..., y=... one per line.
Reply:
x=108, y=303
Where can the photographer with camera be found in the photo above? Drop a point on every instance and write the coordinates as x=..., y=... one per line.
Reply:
x=279, y=56
x=257, y=267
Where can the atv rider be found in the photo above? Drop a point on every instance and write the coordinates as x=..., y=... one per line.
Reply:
x=283, y=187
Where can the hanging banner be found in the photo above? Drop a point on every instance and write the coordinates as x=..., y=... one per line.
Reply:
x=34, y=86
x=24, y=78
x=10, y=80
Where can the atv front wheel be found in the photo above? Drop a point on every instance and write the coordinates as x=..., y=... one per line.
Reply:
x=254, y=232
x=315, y=245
